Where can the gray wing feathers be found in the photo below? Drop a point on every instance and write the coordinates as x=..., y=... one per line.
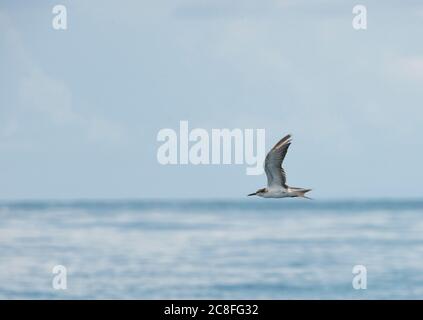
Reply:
x=276, y=176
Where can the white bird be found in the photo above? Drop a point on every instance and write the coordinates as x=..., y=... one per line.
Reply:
x=276, y=177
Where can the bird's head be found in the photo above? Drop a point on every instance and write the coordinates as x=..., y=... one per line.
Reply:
x=259, y=192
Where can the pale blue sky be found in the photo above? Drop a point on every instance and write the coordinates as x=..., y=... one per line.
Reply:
x=80, y=109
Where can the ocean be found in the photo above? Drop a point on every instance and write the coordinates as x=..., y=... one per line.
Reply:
x=251, y=249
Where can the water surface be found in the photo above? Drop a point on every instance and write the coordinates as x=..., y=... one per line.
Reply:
x=211, y=249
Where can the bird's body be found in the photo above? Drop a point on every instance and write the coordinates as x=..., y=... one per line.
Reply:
x=276, y=177
x=283, y=193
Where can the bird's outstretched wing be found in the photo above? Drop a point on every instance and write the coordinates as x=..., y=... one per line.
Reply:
x=273, y=164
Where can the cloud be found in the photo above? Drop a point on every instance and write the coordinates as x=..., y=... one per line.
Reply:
x=41, y=95
x=411, y=67
x=8, y=129
x=243, y=44
x=102, y=129
x=51, y=97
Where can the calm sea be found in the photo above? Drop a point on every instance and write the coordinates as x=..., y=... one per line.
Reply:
x=269, y=249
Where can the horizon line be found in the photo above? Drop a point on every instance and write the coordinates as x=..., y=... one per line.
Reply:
x=202, y=199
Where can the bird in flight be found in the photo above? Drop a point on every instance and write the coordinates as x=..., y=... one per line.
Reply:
x=276, y=177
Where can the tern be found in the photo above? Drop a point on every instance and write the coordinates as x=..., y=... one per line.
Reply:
x=276, y=177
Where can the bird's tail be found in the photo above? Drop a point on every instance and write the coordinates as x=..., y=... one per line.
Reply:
x=302, y=192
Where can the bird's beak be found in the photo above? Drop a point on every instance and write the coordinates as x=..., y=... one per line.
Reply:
x=252, y=194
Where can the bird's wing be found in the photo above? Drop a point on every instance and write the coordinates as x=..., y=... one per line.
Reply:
x=273, y=164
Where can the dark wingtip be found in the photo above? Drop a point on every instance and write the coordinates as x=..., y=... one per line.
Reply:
x=285, y=140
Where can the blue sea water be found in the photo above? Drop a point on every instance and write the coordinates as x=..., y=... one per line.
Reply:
x=274, y=249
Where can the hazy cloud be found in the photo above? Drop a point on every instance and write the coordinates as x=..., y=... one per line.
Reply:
x=43, y=95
